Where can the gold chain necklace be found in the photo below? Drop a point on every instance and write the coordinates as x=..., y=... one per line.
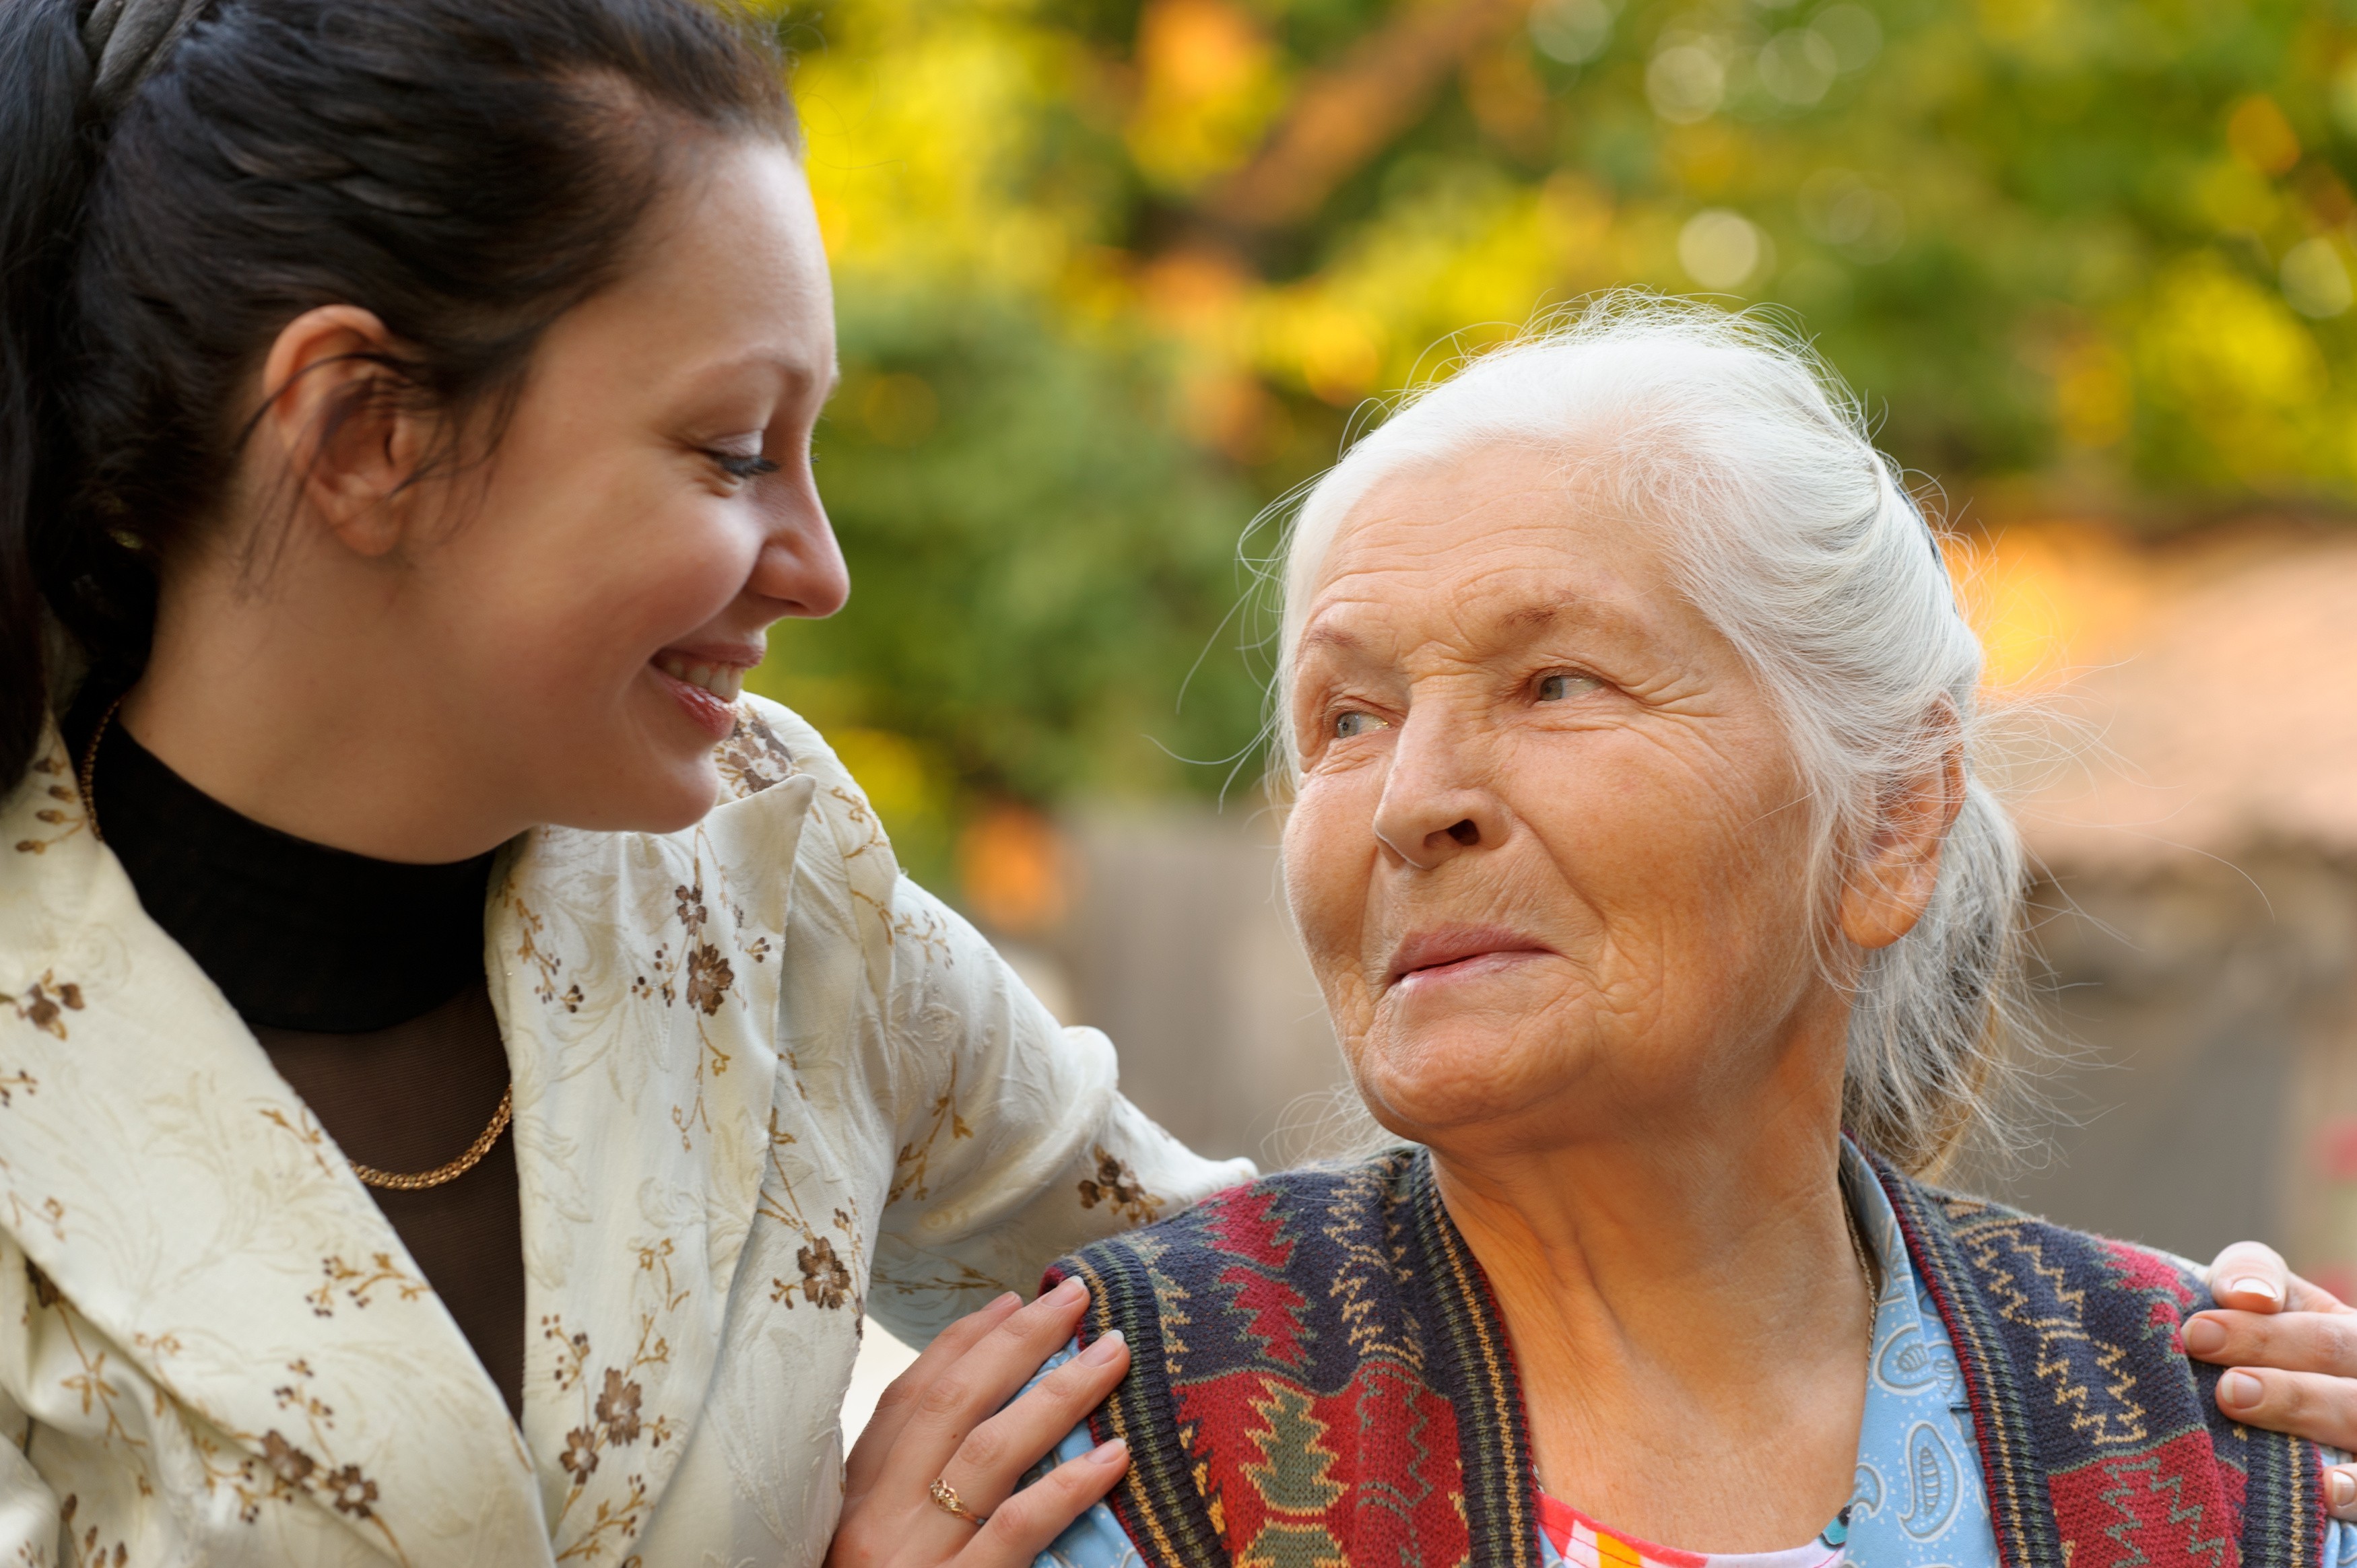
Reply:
x=440, y=1175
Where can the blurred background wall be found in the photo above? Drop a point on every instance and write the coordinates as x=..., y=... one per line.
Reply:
x=1115, y=275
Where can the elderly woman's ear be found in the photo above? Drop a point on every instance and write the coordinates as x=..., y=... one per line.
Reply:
x=1892, y=882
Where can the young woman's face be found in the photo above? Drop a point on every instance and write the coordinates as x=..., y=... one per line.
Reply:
x=610, y=576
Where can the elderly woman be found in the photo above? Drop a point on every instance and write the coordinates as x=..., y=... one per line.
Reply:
x=1643, y=847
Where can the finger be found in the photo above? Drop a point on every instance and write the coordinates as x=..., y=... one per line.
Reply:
x=2340, y=1491
x=2306, y=1404
x=2250, y=1277
x=2307, y=1297
x=974, y=1386
x=898, y=1400
x=1026, y=1523
x=991, y=1462
x=2323, y=1342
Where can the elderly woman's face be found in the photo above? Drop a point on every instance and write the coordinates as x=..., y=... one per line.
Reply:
x=1548, y=854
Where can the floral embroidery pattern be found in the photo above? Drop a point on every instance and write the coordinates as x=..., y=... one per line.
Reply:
x=88, y=1552
x=753, y=759
x=281, y=1467
x=611, y=1400
x=954, y=1278
x=911, y=1166
x=48, y=1212
x=91, y=1384
x=45, y=1002
x=1115, y=1184
x=357, y=1283
x=542, y=960
x=304, y=1130
x=709, y=976
x=825, y=1281
x=67, y=814
x=923, y=928
x=829, y=1280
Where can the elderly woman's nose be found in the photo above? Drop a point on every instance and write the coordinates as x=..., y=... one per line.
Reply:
x=1434, y=802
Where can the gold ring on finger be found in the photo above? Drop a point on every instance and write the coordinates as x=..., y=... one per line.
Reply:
x=945, y=1498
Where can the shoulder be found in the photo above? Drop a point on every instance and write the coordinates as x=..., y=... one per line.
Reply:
x=1270, y=1276
x=2093, y=1423
x=2008, y=1252
x=1269, y=1222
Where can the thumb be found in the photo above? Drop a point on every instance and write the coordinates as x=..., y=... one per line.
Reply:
x=2250, y=1277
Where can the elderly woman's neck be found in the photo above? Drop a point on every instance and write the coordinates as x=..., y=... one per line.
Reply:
x=1687, y=1307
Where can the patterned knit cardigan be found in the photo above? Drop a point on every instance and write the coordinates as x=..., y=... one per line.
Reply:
x=1320, y=1377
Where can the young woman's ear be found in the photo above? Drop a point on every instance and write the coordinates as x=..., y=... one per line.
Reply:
x=348, y=440
x=1892, y=884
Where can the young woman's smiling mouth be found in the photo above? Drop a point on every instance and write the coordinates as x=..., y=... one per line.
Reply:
x=705, y=679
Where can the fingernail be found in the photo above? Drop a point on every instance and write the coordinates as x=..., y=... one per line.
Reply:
x=2256, y=1286
x=2343, y=1486
x=1107, y=1347
x=1111, y=1452
x=2239, y=1390
x=2204, y=1336
x=1071, y=1290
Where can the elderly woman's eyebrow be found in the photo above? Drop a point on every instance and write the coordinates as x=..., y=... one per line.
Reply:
x=1323, y=638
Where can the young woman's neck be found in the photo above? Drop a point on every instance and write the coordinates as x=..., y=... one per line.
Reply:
x=1689, y=1314
x=298, y=703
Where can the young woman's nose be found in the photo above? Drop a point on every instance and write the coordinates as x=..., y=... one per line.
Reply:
x=801, y=569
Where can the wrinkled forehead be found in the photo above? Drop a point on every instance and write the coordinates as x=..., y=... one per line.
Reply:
x=1487, y=546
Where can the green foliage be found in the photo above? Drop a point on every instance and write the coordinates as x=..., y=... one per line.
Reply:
x=1115, y=271
x=1036, y=560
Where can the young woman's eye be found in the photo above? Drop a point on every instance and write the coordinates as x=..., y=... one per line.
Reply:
x=1561, y=685
x=1353, y=722
x=742, y=466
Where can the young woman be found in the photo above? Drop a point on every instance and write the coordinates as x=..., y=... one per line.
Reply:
x=465, y=1071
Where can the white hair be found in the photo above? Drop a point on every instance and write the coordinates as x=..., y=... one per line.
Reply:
x=1794, y=537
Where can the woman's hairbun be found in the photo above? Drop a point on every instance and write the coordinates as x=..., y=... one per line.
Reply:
x=125, y=40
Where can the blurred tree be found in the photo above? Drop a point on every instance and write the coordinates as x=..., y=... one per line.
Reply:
x=1116, y=271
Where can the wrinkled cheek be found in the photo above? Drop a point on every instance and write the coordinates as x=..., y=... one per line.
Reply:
x=1327, y=882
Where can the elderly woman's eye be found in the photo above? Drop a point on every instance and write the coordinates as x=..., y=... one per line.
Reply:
x=1353, y=722
x=1562, y=685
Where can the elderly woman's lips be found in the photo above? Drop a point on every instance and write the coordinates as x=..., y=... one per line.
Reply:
x=1456, y=950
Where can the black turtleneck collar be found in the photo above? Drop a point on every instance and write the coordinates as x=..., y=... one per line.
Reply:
x=296, y=935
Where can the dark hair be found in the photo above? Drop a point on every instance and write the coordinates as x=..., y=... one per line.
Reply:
x=465, y=169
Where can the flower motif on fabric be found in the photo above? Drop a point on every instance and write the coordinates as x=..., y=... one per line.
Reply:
x=88, y=1550
x=67, y=816
x=912, y=1166
x=350, y=1491
x=703, y=973
x=358, y=1284
x=825, y=1281
x=542, y=960
x=617, y=1408
x=287, y=1463
x=753, y=759
x=45, y=1004
x=829, y=1280
x=613, y=1413
x=277, y=1467
x=1117, y=1186
x=709, y=977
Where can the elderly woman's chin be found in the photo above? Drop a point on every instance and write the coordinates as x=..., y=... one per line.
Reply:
x=1518, y=1040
